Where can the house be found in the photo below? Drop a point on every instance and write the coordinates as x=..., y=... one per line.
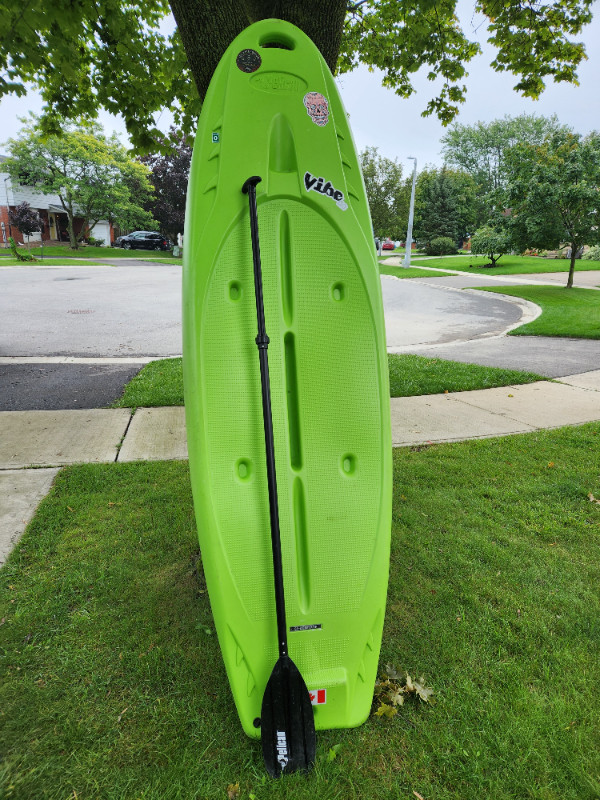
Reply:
x=49, y=207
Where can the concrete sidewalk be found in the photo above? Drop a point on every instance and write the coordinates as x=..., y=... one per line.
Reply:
x=51, y=439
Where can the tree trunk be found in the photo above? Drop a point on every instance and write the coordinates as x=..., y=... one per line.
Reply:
x=217, y=22
x=572, y=266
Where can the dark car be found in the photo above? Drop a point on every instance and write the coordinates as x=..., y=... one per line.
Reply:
x=143, y=240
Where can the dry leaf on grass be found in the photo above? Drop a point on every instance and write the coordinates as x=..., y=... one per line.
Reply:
x=392, y=689
x=233, y=791
x=592, y=499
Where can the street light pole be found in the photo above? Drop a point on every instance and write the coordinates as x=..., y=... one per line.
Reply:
x=411, y=213
x=8, y=204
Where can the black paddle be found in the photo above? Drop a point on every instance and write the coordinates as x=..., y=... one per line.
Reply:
x=287, y=721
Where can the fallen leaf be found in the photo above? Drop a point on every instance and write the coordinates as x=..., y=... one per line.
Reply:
x=397, y=697
x=121, y=714
x=233, y=791
x=392, y=672
x=422, y=691
x=418, y=796
x=69, y=507
x=592, y=499
x=333, y=751
x=386, y=711
x=550, y=464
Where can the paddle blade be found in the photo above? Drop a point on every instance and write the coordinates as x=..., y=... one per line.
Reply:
x=287, y=722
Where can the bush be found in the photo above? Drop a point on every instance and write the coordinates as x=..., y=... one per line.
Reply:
x=593, y=254
x=19, y=256
x=441, y=246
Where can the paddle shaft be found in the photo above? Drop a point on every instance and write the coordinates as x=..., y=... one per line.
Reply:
x=262, y=342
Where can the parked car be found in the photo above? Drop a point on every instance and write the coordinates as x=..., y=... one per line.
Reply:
x=143, y=240
x=387, y=245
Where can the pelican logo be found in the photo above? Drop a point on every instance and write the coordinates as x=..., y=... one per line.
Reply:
x=282, y=749
x=314, y=184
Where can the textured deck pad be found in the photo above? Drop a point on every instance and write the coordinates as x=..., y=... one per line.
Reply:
x=273, y=110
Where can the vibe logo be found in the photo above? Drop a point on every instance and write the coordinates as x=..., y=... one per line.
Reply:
x=313, y=184
x=282, y=749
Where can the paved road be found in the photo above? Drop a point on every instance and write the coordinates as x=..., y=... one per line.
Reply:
x=91, y=311
x=134, y=311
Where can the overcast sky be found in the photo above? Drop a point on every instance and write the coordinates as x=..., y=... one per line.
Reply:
x=381, y=119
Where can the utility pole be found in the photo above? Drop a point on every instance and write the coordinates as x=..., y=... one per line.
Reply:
x=411, y=213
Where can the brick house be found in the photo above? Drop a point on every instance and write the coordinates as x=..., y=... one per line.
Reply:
x=54, y=218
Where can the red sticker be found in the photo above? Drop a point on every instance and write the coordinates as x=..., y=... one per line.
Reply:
x=318, y=697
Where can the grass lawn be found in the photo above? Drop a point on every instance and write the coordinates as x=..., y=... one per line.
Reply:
x=508, y=265
x=565, y=312
x=160, y=383
x=401, y=272
x=113, y=685
x=47, y=262
x=97, y=252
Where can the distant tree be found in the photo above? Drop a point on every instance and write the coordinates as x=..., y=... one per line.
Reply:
x=388, y=195
x=479, y=149
x=93, y=175
x=446, y=205
x=169, y=173
x=491, y=242
x=25, y=219
x=553, y=193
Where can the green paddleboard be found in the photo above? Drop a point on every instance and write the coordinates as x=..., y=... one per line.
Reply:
x=273, y=110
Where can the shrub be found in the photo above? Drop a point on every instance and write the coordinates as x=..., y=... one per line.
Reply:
x=441, y=246
x=593, y=254
x=19, y=256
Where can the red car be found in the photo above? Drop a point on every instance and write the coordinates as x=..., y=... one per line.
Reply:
x=387, y=245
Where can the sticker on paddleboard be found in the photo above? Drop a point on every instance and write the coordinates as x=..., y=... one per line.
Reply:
x=248, y=60
x=216, y=137
x=317, y=108
x=305, y=628
x=318, y=697
x=314, y=184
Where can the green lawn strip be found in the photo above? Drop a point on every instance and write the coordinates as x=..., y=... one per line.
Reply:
x=113, y=685
x=46, y=262
x=565, y=312
x=508, y=265
x=160, y=383
x=178, y=261
x=94, y=252
x=412, y=375
x=402, y=272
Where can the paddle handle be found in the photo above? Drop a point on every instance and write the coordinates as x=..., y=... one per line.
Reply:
x=262, y=342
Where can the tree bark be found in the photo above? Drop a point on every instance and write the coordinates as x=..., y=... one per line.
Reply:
x=216, y=23
x=574, y=248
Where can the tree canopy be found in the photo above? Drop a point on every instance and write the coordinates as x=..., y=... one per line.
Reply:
x=388, y=196
x=479, y=149
x=446, y=205
x=552, y=192
x=93, y=175
x=92, y=54
x=169, y=174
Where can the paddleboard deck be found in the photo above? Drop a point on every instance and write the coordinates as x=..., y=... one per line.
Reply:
x=273, y=110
